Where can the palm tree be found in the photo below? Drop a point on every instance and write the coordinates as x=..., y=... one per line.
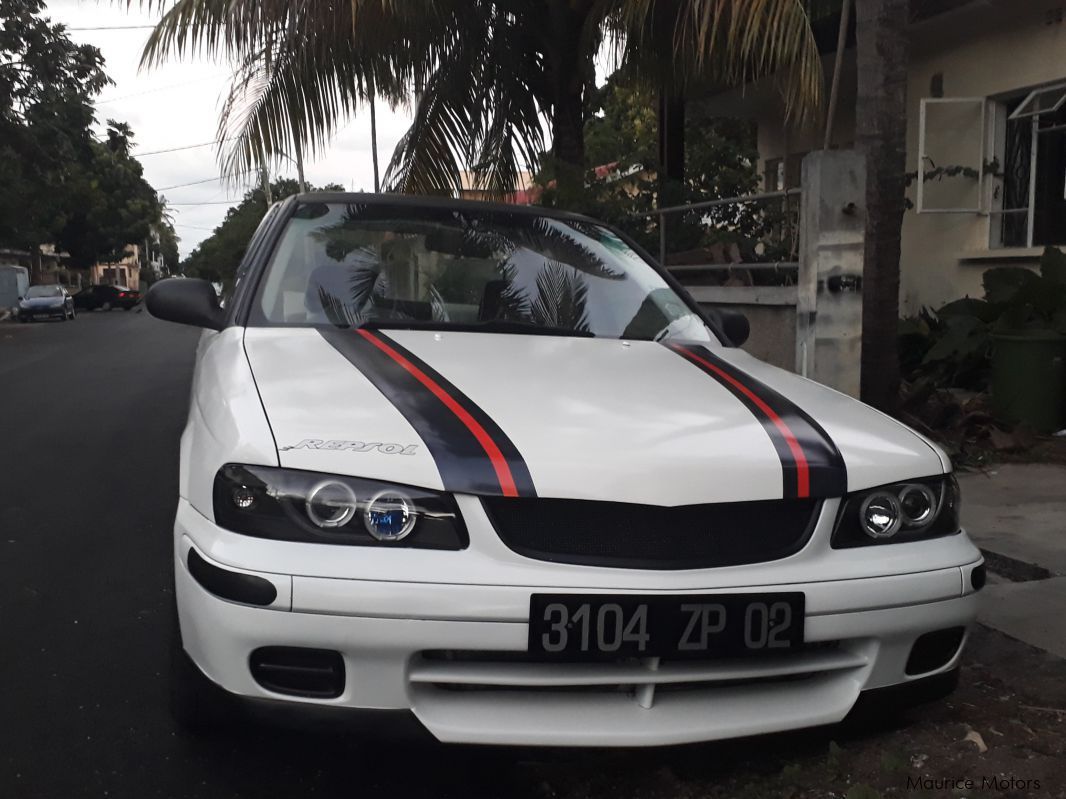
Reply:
x=488, y=73
x=881, y=133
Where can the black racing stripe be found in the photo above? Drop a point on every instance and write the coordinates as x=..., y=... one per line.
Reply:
x=461, y=459
x=826, y=470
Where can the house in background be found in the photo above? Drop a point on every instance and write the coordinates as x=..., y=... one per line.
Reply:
x=526, y=191
x=49, y=267
x=986, y=128
x=126, y=272
x=54, y=268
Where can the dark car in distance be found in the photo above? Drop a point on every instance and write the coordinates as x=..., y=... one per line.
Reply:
x=106, y=297
x=46, y=301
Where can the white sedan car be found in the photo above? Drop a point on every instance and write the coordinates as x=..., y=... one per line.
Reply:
x=490, y=472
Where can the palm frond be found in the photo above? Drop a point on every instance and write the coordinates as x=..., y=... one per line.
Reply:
x=728, y=42
x=562, y=298
x=429, y=159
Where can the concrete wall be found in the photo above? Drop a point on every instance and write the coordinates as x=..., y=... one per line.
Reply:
x=992, y=49
x=771, y=311
x=829, y=291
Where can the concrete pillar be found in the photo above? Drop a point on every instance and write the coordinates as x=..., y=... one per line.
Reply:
x=829, y=289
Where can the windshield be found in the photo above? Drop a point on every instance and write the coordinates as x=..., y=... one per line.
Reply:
x=393, y=266
x=43, y=291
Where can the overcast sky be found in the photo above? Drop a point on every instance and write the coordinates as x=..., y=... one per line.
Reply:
x=178, y=105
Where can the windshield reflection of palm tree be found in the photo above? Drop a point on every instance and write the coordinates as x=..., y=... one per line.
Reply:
x=562, y=294
x=561, y=298
x=364, y=280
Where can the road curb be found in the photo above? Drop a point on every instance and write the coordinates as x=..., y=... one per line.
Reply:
x=1017, y=571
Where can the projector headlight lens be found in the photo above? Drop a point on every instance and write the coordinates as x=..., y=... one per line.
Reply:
x=388, y=516
x=331, y=504
x=918, y=503
x=881, y=515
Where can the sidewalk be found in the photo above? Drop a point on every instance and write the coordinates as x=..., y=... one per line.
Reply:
x=1016, y=513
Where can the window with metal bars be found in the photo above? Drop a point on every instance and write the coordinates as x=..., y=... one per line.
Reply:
x=1032, y=151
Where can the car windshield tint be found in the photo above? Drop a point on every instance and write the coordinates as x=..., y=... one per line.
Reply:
x=43, y=291
x=393, y=266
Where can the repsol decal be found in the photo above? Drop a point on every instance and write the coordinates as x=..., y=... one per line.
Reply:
x=354, y=446
x=472, y=453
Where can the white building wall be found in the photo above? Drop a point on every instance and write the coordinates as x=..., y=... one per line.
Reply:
x=989, y=48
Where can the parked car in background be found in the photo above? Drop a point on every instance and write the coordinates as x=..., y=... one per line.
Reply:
x=46, y=301
x=106, y=297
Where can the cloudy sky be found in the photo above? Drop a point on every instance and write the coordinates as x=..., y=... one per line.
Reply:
x=178, y=105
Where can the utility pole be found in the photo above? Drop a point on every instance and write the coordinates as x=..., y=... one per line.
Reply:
x=300, y=164
x=264, y=176
x=374, y=140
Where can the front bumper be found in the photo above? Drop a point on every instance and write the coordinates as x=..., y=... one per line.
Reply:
x=389, y=632
x=34, y=313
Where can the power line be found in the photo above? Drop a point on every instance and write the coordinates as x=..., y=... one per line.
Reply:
x=195, y=227
x=115, y=28
x=206, y=180
x=212, y=202
x=155, y=89
x=175, y=149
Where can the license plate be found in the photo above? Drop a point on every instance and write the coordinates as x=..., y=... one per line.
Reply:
x=696, y=625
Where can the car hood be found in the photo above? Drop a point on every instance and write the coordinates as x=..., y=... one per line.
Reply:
x=41, y=302
x=569, y=417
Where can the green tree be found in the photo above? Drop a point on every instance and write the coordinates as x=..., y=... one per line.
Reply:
x=720, y=158
x=112, y=205
x=486, y=72
x=217, y=257
x=47, y=85
x=167, y=243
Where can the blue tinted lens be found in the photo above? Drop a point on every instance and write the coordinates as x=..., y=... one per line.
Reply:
x=389, y=517
x=388, y=523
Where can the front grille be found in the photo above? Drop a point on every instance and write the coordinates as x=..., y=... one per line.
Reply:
x=632, y=536
x=639, y=678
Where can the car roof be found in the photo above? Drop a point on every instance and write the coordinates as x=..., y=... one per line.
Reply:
x=437, y=203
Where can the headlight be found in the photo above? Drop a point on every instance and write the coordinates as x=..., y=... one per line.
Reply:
x=294, y=505
x=897, y=513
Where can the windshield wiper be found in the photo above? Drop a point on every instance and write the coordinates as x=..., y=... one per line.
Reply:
x=487, y=326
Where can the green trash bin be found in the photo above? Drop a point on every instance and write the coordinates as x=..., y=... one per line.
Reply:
x=1029, y=379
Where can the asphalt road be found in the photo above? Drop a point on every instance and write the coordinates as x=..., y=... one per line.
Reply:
x=90, y=416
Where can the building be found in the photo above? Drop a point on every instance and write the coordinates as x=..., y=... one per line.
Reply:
x=526, y=191
x=49, y=267
x=986, y=128
x=54, y=267
x=126, y=272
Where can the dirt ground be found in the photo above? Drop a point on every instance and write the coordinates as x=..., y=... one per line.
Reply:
x=1002, y=733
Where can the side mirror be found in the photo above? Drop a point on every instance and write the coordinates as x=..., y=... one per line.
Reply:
x=736, y=327
x=187, y=301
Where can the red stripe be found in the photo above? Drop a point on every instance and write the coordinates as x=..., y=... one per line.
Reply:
x=803, y=476
x=499, y=462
